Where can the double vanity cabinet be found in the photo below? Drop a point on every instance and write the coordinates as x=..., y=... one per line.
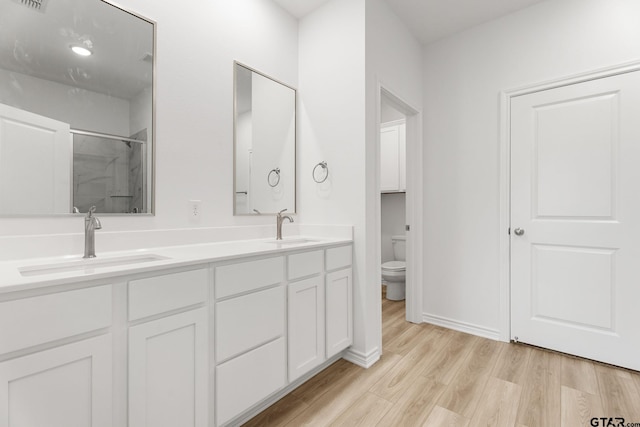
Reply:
x=204, y=344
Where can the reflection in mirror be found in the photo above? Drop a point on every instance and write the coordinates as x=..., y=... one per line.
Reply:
x=76, y=108
x=109, y=173
x=265, y=144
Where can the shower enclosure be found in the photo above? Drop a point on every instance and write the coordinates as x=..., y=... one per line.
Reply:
x=109, y=172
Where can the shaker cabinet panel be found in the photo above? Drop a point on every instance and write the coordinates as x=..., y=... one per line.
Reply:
x=169, y=370
x=248, y=321
x=306, y=326
x=305, y=264
x=402, y=158
x=69, y=385
x=389, y=157
x=158, y=294
x=46, y=318
x=247, y=379
x=393, y=158
x=248, y=276
x=339, y=311
x=339, y=257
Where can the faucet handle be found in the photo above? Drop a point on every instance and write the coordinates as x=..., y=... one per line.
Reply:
x=283, y=210
x=90, y=212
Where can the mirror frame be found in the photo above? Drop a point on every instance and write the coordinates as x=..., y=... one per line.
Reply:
x=295, y=143
x=152, y=160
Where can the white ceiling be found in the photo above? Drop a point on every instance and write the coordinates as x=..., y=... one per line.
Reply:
x=41, y=38
x=300, y=8
x=36, y=43
x=430, y=20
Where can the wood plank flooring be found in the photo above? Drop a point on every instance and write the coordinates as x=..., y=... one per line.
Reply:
x=432, y=376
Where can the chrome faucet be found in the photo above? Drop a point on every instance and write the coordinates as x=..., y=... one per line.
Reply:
x=91, y=224
x=280, y=218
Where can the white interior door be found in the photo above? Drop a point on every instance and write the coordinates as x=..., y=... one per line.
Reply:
x=35, y=163
x=575, y=218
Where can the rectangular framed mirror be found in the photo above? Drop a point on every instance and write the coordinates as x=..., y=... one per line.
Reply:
x=77, y=108
x=264, y=143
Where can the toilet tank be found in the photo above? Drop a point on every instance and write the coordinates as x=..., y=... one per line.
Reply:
x=399, y=243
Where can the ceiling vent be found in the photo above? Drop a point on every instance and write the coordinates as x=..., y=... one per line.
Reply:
x=38, y=5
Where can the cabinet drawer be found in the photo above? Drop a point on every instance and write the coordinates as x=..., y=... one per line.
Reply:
x=247, y=379
x=38, y=320
x=159, y=294
x=305, y=264
x=248, y=321
x=339, y=257
x=248, y=276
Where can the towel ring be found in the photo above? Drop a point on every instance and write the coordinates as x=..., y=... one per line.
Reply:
x=277, y=172
x=325, y=168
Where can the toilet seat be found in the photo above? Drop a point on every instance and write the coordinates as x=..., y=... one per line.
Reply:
x=394, y=276
x=394, y=266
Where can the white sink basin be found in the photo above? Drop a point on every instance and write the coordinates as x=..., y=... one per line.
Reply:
x=293, y=241
x=87, y=265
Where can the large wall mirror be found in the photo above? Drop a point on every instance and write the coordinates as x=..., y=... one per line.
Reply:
x=265, y=144
x=76, y=108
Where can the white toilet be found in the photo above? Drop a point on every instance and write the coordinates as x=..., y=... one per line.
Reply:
x=394, y=272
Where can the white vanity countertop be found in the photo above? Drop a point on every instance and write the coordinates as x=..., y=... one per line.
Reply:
x=44, y=272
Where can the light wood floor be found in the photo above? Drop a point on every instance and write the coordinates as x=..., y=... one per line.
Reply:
x=431, y=376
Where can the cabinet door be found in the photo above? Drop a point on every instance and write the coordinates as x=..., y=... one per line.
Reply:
x=168, y=371
x=339, y=311
x=402, y=157
x=306, y=326
x=65, y=386
x=389, y=150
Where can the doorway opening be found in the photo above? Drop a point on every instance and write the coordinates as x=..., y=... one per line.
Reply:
x=399, y=199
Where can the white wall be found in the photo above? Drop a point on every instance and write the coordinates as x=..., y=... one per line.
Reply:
x=60, y=102
x=394, y=61
x=345, y=47
x=463, y=76
x=331, y=125
x=389, y=114
x=141, y=113
x=393, y=220
x=196, y=46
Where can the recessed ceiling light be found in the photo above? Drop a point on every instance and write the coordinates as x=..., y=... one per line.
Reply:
x=82, y=51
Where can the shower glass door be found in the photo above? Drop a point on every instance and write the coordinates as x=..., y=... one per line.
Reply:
x=109, y=173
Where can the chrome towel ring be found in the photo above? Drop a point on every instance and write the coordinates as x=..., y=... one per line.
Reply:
x=324, y=172
x=275, y=181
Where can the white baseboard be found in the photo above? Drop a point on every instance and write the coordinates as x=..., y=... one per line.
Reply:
x=361, y=359
x=469, y=328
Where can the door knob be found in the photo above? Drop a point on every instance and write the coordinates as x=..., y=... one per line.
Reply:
x=519, y=231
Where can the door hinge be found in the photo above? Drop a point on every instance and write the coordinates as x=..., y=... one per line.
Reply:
x=509, y=231
x=407, y=227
